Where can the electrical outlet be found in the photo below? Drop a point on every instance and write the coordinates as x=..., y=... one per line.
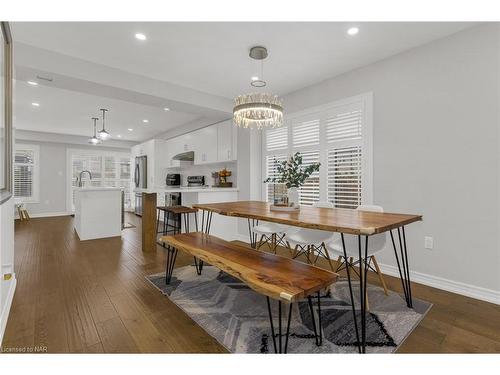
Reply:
x=429, y=243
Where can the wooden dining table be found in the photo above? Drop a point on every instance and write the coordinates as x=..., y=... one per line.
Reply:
x=362, y=224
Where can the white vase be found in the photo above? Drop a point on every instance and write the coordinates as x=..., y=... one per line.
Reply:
x=293, y=196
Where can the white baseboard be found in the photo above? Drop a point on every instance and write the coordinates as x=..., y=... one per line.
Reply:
x=4, y=314
x=472, y=291
x=50, y=214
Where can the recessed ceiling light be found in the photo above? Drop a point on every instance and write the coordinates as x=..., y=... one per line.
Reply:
x=130, y=129
x=145, y=121
x=32, y=83
x=166, y=109
x=255, y=78
x=35, y=104
x=353, y=30
x=119, y=136
x=140, y=36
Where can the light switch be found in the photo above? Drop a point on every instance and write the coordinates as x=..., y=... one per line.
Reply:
x=429, y=243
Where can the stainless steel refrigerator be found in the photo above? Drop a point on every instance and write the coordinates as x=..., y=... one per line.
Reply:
x=140, y=180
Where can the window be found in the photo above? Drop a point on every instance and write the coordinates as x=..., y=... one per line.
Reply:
x=26, y=174
x=339, y=136
x=107, y=168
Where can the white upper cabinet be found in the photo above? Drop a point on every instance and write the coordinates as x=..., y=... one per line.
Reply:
x=212, y=144
x=205, y=145
x=174, y=146
x=226, y=141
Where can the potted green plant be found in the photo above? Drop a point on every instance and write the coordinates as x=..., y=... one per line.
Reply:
x=293, y=174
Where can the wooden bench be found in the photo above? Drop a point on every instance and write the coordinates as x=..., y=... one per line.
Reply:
x=274, y=276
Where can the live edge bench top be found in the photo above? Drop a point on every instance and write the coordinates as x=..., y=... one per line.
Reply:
x=272, y=275
x=329, y=219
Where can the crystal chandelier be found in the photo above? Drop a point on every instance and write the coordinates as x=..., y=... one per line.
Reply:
x=258, y=110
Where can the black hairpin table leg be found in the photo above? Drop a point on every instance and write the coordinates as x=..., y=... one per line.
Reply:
x=171, y=256
x=360, y=341
x=253, y=236
x=403, y=267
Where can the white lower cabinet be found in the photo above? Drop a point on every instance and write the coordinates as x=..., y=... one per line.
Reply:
x=222, y=226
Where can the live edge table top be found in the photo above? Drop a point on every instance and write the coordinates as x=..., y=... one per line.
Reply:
x=329, y=219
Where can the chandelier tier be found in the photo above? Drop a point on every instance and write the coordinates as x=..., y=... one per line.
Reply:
x=258, y=110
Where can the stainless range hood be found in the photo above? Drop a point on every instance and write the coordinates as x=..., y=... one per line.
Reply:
x=184, y=156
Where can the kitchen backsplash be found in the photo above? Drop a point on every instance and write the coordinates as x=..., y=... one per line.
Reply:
x=204, y=170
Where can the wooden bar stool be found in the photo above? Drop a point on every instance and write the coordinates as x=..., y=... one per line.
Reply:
x=166, y=220
x=183, y=213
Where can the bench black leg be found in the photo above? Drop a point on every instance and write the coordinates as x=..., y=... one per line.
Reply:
x=198, y=263
x=280, y=348
x=318, y=328
x=171, y=256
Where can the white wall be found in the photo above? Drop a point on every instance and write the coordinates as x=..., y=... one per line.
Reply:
x=53, y=174
x=436, y=152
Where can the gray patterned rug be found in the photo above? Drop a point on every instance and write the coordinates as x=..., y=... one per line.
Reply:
x=237, y=317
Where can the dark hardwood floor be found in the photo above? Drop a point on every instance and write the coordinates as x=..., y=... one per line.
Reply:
x=92, y=297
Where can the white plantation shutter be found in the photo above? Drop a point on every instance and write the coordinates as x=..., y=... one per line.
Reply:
x=309, y=192
x=344, y=177
x=339, y=135
x=344, y=123
x=26, y=172
x=306, y=139
x=344, y=132
x=276, y=139
x=305, y=132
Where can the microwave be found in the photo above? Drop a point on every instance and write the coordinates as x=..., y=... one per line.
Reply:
x=173, y=179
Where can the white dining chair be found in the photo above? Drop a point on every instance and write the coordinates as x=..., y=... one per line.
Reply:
x=271, y=234
x=376, y=243
x=311, y=242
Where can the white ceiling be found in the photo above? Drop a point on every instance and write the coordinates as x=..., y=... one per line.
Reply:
x=213, y=57
x=69, y=112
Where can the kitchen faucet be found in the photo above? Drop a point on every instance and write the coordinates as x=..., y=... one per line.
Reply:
x=79, y=179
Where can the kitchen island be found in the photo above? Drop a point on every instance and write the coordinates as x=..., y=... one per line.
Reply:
x=98, y=212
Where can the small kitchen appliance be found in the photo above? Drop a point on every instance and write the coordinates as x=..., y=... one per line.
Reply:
x=194, y=181
x=173, y=179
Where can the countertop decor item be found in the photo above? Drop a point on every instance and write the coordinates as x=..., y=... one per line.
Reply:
x=221, y=178
x=293, y=174
x=258, y=110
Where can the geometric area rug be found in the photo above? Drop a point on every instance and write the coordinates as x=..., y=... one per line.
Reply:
x=237, y=317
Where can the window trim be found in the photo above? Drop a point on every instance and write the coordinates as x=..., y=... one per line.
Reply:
x=35, y=197
x=367, y=144
x=69, y=172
